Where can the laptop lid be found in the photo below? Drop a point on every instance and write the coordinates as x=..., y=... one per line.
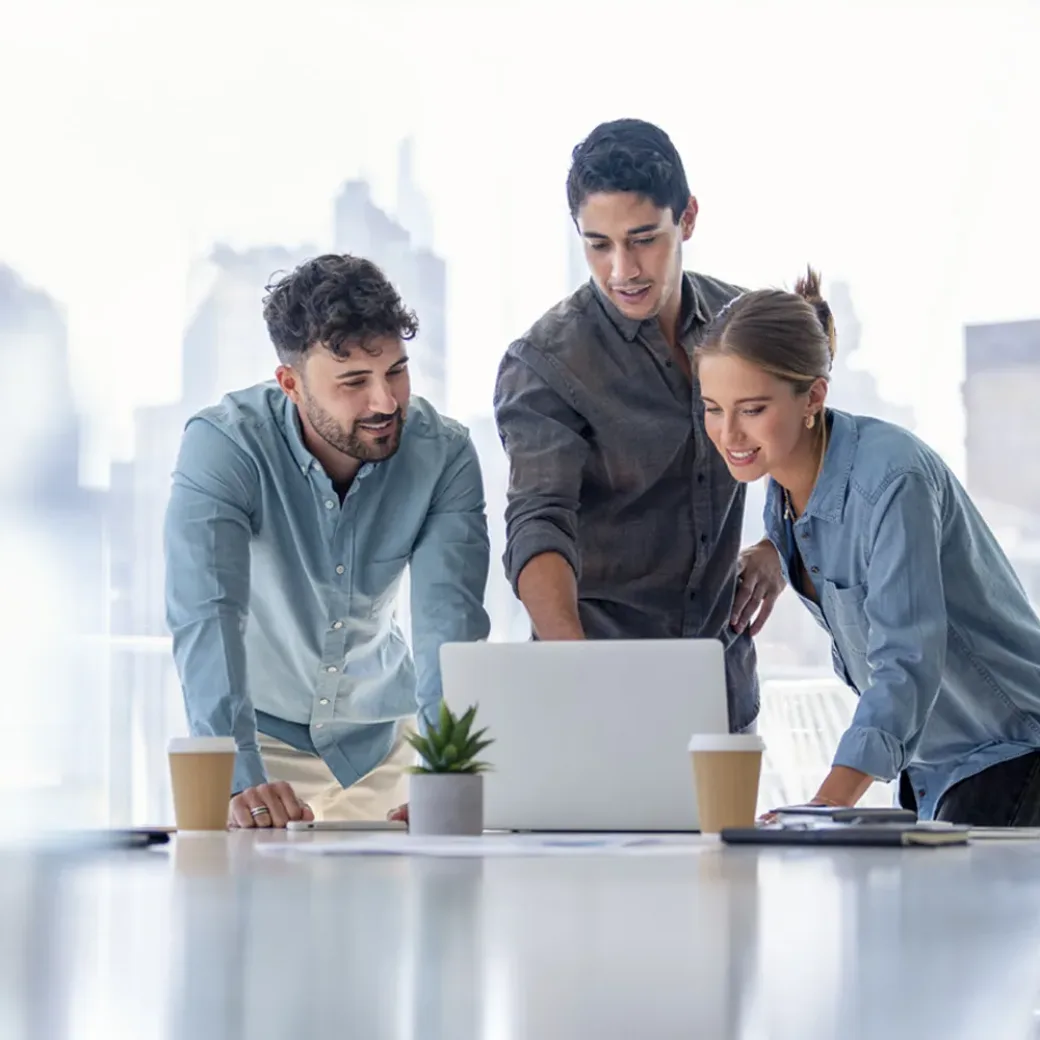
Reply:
x=589, y=735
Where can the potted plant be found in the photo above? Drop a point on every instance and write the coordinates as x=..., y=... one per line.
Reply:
x=446, y=790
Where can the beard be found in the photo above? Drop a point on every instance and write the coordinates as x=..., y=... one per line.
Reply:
x=355, y=442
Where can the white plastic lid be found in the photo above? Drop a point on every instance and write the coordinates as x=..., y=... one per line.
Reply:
x=726, y=742
x=201, y=745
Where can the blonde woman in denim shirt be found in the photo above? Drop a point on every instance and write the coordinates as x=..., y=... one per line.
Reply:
x=929, y=623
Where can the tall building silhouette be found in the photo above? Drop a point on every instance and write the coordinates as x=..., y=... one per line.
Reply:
x=40, y=414
x=52, y=556
x=413, y=208
x=418, y=274
x=854, y=389
x=1001, y=380
x=226, y=344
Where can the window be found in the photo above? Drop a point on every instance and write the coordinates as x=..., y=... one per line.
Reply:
x=157, y=176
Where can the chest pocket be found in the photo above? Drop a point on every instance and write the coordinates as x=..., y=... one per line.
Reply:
x=846, y=616
x=379, y=583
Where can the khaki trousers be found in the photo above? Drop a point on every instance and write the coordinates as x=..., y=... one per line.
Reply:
x=370, y=798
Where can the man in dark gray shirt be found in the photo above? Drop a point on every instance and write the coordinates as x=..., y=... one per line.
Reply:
x=622, y=521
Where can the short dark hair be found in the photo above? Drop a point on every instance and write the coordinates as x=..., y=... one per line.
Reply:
x=338, y=301
x=628, y=155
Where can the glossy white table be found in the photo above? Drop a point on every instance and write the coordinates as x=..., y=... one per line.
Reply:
x=208, y=938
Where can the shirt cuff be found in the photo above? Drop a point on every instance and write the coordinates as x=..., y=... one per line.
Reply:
x=533, y=538
x=871, y=751
x=249, y=771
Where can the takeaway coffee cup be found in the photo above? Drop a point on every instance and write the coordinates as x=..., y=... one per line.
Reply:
x=726, y=771
x=201, y=770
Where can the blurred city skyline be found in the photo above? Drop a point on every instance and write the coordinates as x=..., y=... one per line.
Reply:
x=169, y=159
x=888, y=146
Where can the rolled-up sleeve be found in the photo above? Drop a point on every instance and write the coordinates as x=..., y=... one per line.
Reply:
x=905, y=608
x=206, y=534
x=544, y=439
x=449, y=570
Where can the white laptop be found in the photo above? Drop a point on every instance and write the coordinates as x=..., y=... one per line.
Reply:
x=589, y=735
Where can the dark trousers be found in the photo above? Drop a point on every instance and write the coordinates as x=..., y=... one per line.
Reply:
x=1004, y=795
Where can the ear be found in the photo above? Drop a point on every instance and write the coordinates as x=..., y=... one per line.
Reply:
x=289, y=380
x=818, y=396
x=688, y=219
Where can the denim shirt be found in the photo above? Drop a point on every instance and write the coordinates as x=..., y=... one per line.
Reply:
x=281, y=599
x=929, y=623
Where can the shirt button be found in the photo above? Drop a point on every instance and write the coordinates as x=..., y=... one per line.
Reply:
x=319, y=725
x=324, y=700
x=303, y=469
x=704, y=539
x=340, y=568
x=815, y=570
x=331, y=668
x=700, y=478
x=337, y=624
x=920, y=792
x=329, y=504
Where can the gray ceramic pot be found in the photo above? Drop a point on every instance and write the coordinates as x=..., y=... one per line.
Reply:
x=446, y=803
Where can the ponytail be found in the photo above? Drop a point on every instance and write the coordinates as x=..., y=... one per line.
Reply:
x=808, y=287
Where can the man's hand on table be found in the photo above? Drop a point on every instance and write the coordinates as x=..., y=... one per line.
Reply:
x=278, y=799
x=400, y=814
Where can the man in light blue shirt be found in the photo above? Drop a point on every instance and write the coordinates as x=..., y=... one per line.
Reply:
x=296, y=507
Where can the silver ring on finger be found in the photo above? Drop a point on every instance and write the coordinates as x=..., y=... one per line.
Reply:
x=260, y=810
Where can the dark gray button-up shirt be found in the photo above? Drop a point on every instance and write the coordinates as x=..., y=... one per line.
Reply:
x=611, y=467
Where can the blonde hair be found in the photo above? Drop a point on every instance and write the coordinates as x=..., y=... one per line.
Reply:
x=790, y=335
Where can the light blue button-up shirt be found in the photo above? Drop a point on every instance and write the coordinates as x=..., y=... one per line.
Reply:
x=281, y=600
x=928, y=621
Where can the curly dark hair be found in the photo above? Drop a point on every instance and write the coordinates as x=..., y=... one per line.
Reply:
x=339, y=302
x=628, y=155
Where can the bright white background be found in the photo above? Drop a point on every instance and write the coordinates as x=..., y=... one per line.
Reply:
x=890, y=144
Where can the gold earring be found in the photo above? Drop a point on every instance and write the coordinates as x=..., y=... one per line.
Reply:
x=810, y=421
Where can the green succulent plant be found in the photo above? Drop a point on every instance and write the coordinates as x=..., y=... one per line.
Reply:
x=449, y=746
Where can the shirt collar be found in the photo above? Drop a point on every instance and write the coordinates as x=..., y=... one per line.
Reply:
x=691, y=309
x=827, y=501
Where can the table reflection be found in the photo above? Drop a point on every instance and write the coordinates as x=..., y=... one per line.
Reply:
x=208, y=938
